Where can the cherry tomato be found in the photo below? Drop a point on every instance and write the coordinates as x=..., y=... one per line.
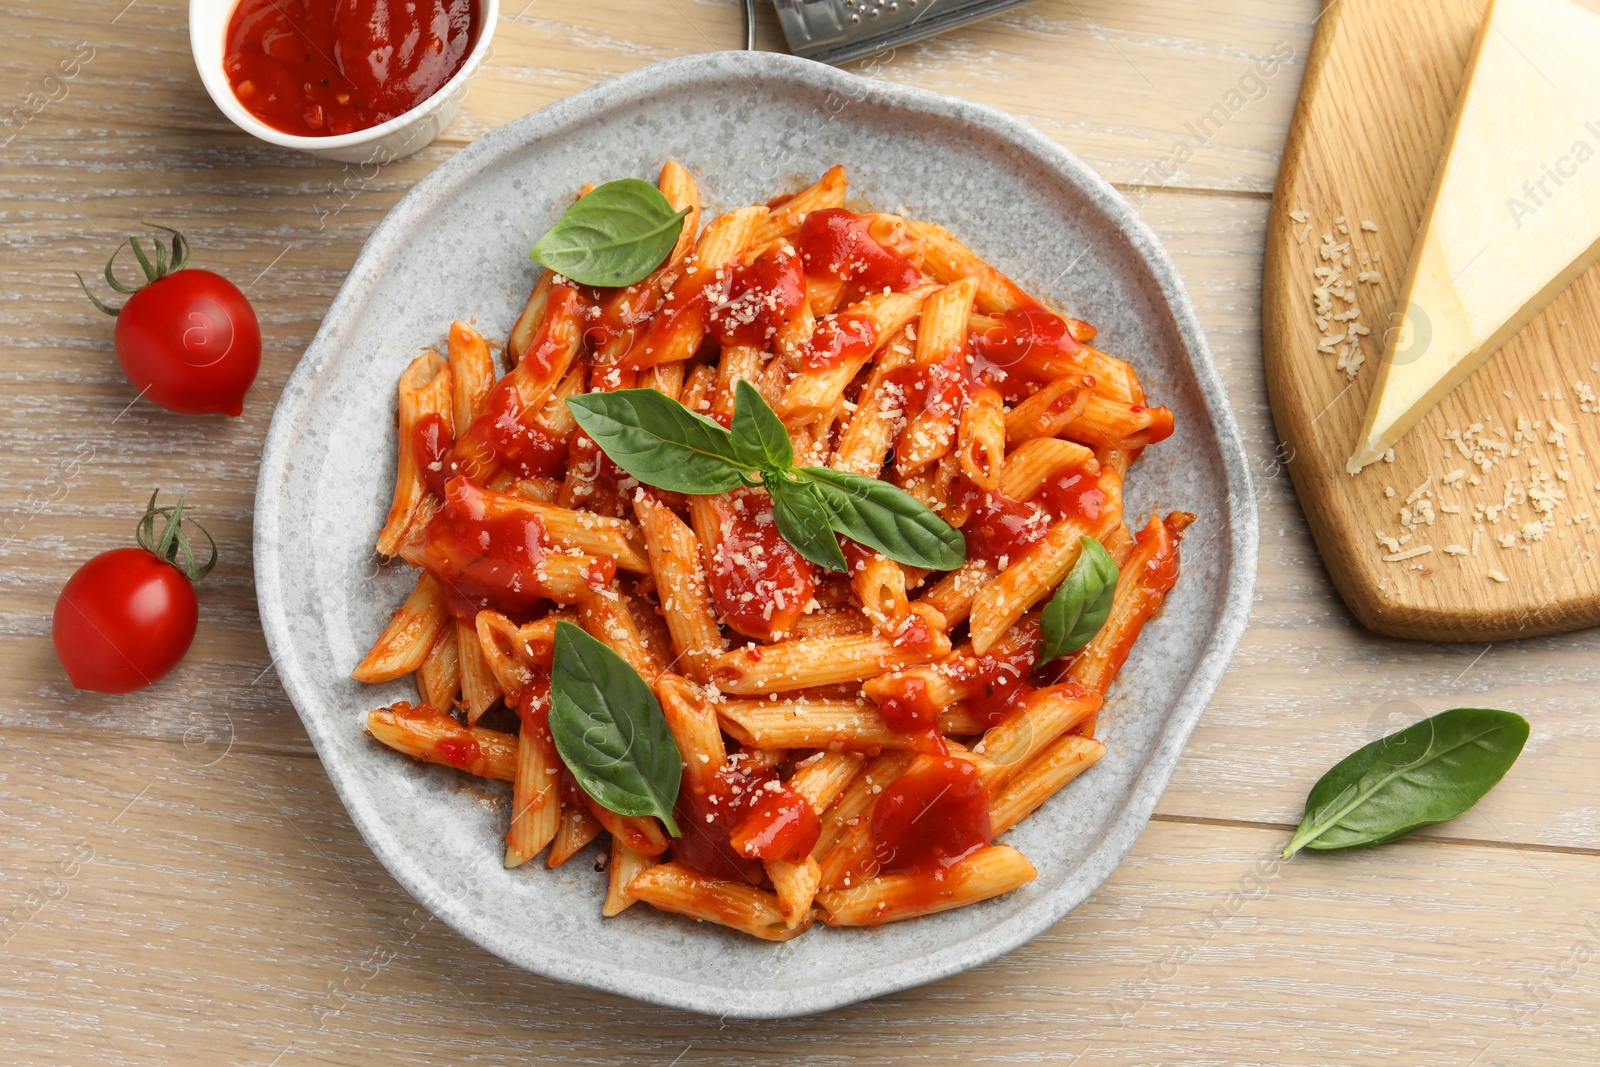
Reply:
x=128, y=615
x=187, y=339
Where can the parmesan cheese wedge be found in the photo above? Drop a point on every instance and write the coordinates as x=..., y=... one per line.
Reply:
x=1514, y=216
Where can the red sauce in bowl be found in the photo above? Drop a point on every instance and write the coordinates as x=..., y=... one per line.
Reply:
x=319, y=68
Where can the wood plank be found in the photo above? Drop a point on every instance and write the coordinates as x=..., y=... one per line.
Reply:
x=232, y=915
x=1128, y=81
x=1308, y=684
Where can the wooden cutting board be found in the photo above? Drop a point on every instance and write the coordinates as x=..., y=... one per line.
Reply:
x=1486, y=524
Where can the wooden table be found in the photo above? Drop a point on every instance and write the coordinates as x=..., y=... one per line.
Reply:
x=183, y=885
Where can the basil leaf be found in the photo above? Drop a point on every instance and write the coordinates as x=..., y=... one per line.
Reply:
x=616, y=235
x=887, y=518
x=759, y=436
x=1081, y=603
x=803, y=521
x=659, y=441
x=1427, y=773
x=610, y=731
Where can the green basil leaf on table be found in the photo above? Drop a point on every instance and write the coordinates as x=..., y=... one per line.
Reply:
x=1427, y=773
x=610, y=731
x=887, y=518
x=616, y=235
x=803, y=521
x=659, y=441
x=1081, y=602
x=759, y=436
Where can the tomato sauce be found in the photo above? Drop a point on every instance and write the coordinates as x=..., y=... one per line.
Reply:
x=916, y=634
x=760, y=583
x=611, y=314
x=910, y=382
x=1005, y=355
x=684, y=314
x=781, y=825
x=946, y=389
x=460, y=752
x=551, y=341
x=1023, y=332
x=430, y=446
x=834, y=243
x=999, y=528
x=519, y=444
x=999, y=679
x=486, y=554
x=1074, y=494
x=931, y=817
x=908, y=706
x=318, y=68
x=708, y=819
x=758, y=300
x=838, y=339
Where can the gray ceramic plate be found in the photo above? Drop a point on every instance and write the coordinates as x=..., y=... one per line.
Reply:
x=747, y=125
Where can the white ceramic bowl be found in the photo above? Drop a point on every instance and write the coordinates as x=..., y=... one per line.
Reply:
x=401, y=136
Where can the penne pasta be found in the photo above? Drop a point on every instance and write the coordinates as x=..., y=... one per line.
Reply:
x=479, y=687
x=854, y=803
x=1142, y=587
x=640, y=833
x=813, y=390
x=880, y=586
x=942, y=329
x=952, y=595
x=1039, y=569
x=676, y=888
x=610, y=618
x=439, y=676
x=950, y=261
x=471, y=374
x=738, y=363
x=831, y=725
x=425, y=733
x=848, y=742
x=409, y=637
x=424, y=393
x=787, y=215
x=835, y=726
x=1040, y=459
x=509, y=425
x=987, y=873
x=800, y=664
x=625, y=866
x=981, y=439
x=1041, y=718
x=664, y=378
x=577, y=828
x=677, y=333
x=830, y=622
x=866, y=441
x=694, y=727
x=1059, y=763
x=681, y=585
x=536, y=789
x=795, y=885
x=1049, y=411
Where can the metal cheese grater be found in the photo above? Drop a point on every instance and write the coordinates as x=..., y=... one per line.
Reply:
x=832, y=31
